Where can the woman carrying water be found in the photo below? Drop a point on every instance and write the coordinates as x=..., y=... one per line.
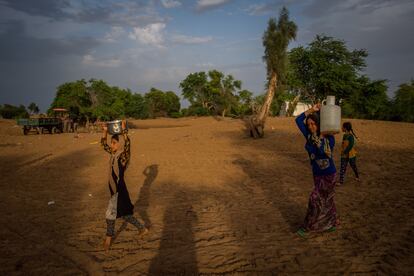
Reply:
x=321, y=213
x=120, y=205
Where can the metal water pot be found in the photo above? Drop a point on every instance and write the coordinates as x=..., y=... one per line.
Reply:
x=115, y=127
x=330, y=116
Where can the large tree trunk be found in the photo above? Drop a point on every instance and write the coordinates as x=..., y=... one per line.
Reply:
x=256, y=123
x=292, y=106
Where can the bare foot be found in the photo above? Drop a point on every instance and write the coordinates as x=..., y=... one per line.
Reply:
x=357, y=179
x=143, y=232
x=107, y=243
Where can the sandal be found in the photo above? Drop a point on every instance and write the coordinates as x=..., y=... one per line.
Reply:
x=301, y=232
x=332, y=229
x=143, y=232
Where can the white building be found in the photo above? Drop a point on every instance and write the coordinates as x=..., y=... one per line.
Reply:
x=300, y=107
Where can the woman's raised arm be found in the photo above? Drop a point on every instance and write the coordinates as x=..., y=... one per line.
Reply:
x=104, y=142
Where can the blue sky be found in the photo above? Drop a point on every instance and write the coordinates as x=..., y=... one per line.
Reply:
x=139, y=44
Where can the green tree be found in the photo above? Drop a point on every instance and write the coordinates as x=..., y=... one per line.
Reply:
x=96, y=99
x=275, y=41
x=136, y=107
x=368, y=100
x=195, y=89
x=34, y=109
x=403, y=106
x=245, y=103
x=73, y=96
x=223, y=89
x=156, y=103
x=210, y=93
x=172, y=103
x=326, y=67
x=162, y=103
x=9, y=111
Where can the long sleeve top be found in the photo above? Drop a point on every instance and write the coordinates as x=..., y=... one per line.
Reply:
x=348, y=146
x=321, y=162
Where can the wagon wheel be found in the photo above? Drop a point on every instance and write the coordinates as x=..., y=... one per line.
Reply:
x=54, y=130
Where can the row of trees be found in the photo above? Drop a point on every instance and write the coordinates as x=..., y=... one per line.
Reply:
x=209, y=93
x=95, y=99
x=9, y=111
x=368, y=100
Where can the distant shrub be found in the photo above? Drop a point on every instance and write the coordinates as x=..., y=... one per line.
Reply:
x=8, y=111
x=198, y=111
x=176, y=115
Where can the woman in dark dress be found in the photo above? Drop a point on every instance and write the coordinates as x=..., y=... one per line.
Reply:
x=321, y=214
x=120, y=205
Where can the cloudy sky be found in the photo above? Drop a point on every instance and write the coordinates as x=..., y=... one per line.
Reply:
x=156, y=43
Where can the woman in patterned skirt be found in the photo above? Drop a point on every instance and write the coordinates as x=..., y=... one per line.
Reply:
x=321, y=214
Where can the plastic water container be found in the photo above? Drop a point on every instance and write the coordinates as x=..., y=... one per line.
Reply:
x=115, y=127
x=330, y=116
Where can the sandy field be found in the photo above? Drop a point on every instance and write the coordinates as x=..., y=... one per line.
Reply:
x=217, y=201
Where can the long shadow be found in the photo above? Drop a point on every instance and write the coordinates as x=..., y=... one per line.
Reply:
x=177, y=254
x=271, y=179
x=142, y=202
x=42, y=208
x=292, y=212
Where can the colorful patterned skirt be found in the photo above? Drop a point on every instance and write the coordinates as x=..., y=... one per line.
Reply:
x=321, y=214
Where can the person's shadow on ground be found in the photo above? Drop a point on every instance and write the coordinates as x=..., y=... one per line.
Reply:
x=142, y=202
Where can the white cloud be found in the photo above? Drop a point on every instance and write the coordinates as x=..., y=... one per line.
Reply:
x=269, y=7
x=166, y=74
x=151, y=34
x=92, y=61
x=203, y=5
x=205, y=65
x=257, y=9
x=114, y=34
x=183, y=39
x=168, y=4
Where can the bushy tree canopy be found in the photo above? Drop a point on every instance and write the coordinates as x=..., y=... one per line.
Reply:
x=403, y=105
x=96, y=99
x=9, y=111
x=275, y=42
x=34, y=109
x=326, y=67
x=210, y=93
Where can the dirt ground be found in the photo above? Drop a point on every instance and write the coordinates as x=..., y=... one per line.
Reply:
x=217, y=201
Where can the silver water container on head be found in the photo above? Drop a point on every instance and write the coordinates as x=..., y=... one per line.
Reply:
x=115, y=127
x=330, y=116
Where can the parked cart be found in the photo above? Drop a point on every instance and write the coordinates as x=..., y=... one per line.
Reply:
x=41, y=125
